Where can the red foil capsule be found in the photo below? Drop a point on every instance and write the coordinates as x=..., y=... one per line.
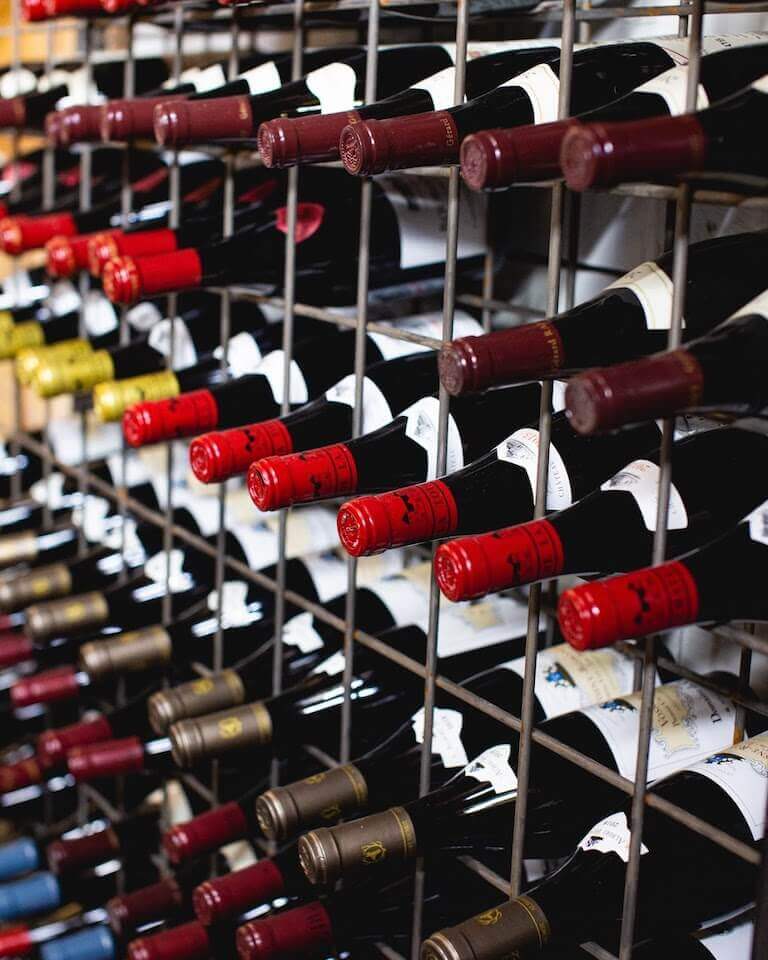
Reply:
x=19, y=234
x=474, y=566
x=15, y=942
x=496, y=158
x=129, y=911
x=423, y=139
x=52, y=745
x=198, y=121
x=66, y=255
x=227, y=453
x=107, y=759
x=157, y=420
x=33, y=11
x=233, y=894
x=303, y=931
x=46, y=687
x=14, y=776
x=143, y=243
x=68, y=8
x=81, y=852
x=204, y=833
x=276, y=482
x=635, y=604
x=15, y=648
x=424, y=511
x=186, y=942
x=286, y=141
x=127, y=280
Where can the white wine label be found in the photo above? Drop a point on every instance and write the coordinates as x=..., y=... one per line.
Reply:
x=168, y=568
x=440, y=87
x=464, y=627
x=741, y=771
x=329, y=575
x=672, y=87
x=262, y=79
x=91, y=517
x=123, y=536
x=426, y=325
x=187, y=76
x=271, y=367
x=421, y=426
x=653, y=289
x=421, y=207
x=208, y=78
x=568, y=680
x=611, y=836
x=734, y=944
x=758, y=524
x=640, y=479
x=235, y=611
x=310, y=530
x=65, y=437
x=17, y=83
x=127, y=471
x=50, y=491
x=677, y=47
x=99, y=315
x=143, y=316
x=243, y=354
x=334, y=86
x=376, y=411
x=171, y=338
x=446, y=735
x=239, y=855
x=542, y=85
x=177, y=808
x=387, y=564
x=688, y=723
x=761, y=85
x=333, y=665
x=759, y=305
x=522, y=449
x=63, y=298
x=203, y=510
x=299, y=632
x=239, y=506
x=558, y=395
x=403, y=596
x=493, y=766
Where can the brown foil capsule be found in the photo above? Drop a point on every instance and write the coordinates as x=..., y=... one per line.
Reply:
x=43, y=583
x=321, y=798
x=501, y=933
x=128, y=652
x=81, y=612
x=194, y=699
x=17, y=548
x=351, y=850
x=215, y=734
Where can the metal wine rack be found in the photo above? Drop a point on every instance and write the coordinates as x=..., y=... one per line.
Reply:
x=183, y=19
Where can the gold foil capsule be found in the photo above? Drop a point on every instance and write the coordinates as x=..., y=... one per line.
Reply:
x=18, y=336
x=68, y=374
x=112, y=398
x=28, y=360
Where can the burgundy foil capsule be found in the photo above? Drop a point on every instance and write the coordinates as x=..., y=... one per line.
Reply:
x=302, y=931
x=19, y=234
x=129, y=911
x=275, y=482
x=186, y=942
x=127, y=280
x=492, y=159
x=288, y=141
x=14, y=776
x=52, y=127
x=235, y=893
x=157, y=420
x=78, y=853
x=79, y=124
x=129, y=119
x=53, y=745
x=227, y=453
x=15, y=941
x=45, y=687
x=106, y=759
x=13, y=113
x=425, y=511
x=205, y=833
x=15, y=648
x=423, y=139
x=198, y=121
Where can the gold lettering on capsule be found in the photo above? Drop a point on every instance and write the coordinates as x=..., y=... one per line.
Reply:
x=373, y=852
x=230, y=727
x=489, y=918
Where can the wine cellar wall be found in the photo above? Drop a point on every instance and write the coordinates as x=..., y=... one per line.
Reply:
x=299, y=26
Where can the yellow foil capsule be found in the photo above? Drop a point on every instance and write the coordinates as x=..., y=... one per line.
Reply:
x=17, y=336
x=56, y=374
x=112, y=399
x=29, y=359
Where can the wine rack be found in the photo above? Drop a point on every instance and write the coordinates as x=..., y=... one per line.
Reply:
x=573, y=21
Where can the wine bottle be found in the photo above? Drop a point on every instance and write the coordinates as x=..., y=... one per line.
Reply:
x=189, y=941
x=286, y=141
x=580, y=539
x=403, y=450
x=389, y=386
x=407, y=244
x=66, y=256
x=332, y=87
x=496, y=490
x=716, y=583
x=600, y=74
x=685, y=878
x=710, y=144
x=716, y=372
x=630, y=318
x=491, y=159
x=168, y=899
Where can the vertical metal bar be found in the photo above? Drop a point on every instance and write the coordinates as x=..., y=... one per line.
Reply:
x=679, y=274
x=542, y=468
x=363, y=271
x=760, y=941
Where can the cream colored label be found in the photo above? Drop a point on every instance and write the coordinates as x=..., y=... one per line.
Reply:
x=611, y=836
x=741, y=771
x=376, y=411
x=334, y=86
x=329, y=575
x=522, y=449
x=235, y=609
x=472, y=626
x=422, y=426
x=446, y=735
x=425, y=325
x=672, y=87
x=99, y=315
x=300, y=632
x=734, y=944
x=171, y=338
x=272, y=368
x=758, y=524
x=493, y=766
x=542, y=85
x=640, y=479
x=653, y=289
x=761, y=85
x=262, y=79
x=244, y=355
x=758, y=305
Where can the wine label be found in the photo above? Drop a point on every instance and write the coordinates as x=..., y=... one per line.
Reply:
x=542, y=85
x=426, y=325
x=309, y=530
x=238, y=855
x=331, y=666
x=66, y=440
x=262, y=79
x=143, y=316
x=235, y=609
x=63, y=298
x=567, y=679
x=406, y=594
x=558, y=395
x=734, y=944
x=672, y=87
x=677, y=47
x=688, y=723
x=653, y=289
x=208, y=78
x=334, y=86
x=640, y=479
x=760, y=303
x=446, y=735
x=204, y=510
x=91, y=516
x=741, y=771
x=50, y=491
x=329, y=575
x=300, y=632
x=376, y=410
x=440, y=87
x=522, y=449
x=79, y=88
x=171, y=338
x=493, y=766
x=243, y=354
x=123, y=536
x=761, y=85
x=758, y=524
x=271, y=367
x=421, y=207
x=464, y=627
x=611, y=836
x=421, y=426
x=127, y=471
x=99, y=315
x=168, y=569
x=17, y=83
